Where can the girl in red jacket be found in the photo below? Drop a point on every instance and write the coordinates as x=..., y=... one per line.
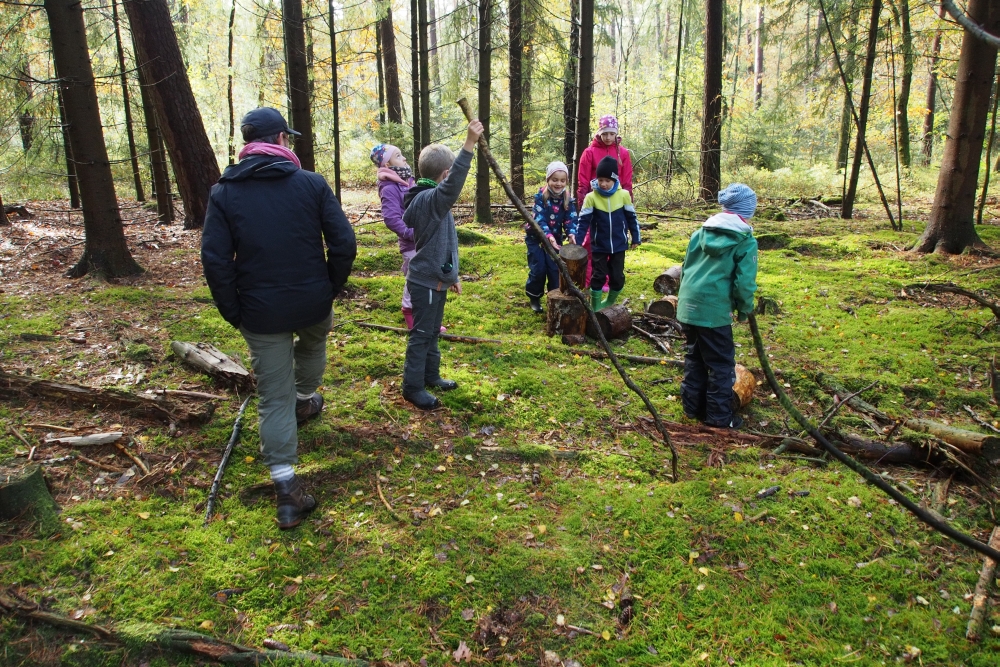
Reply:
x=606, y=143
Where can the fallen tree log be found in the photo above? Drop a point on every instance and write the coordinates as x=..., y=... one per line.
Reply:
x=982, y=592
x=155, y=408
x=970, y=442
x=669, y=281
x=210, y=360
x=615, y=322
x=445, y=336
x=665, y=307
x=24, y=494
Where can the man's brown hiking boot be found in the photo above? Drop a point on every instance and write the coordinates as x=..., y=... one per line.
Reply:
x=293, y=503
x=308, y=408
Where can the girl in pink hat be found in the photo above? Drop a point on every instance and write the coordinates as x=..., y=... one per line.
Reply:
x=394, y=179
x=606, y=143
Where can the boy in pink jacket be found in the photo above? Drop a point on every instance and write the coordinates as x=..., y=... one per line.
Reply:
x=606, y=143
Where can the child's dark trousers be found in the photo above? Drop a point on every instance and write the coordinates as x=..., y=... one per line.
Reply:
x=608, y=266
x=709, y=373
x=423, y=360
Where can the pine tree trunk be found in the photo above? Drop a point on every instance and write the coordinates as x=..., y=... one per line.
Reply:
x=850, y=67
x=157, y=154
x=931, y=102
x=335, y=84
x=231, y=139
x=393, y=97
x=379, y=73
x=196, y=166
x=847, y=209
x=951, y=228
x=672, y=159
x=105, y=250
x=425, y=75
x=483, y=212
x=297, y=73
x=903, y=101
x=418, y=140
x=758, y=58
x=433, y=54
x=585, y=82
x=516, y=51
x=710, y=173
x=71, y=181
x=132, y=153
x=25, y=120
x=570, y=90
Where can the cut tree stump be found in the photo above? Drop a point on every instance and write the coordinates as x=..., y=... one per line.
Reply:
x=970, y=442
x=566, y=316
x=23, y=493
x=575, y=257
x=669, y=281
x=156, y=408
x=745, y=385
x=210, y=360
x=665, y=307
x=615, y=322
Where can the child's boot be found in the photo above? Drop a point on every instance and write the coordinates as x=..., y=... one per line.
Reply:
x=612, y=297
x=536, y=303
x=408, y=316
x=596, y=299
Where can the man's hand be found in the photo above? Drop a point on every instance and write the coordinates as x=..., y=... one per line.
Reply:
x=456, y=288
x=472, y=136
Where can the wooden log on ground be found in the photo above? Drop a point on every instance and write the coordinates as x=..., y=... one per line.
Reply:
x=970, y=442
x=615, y=322
x=575, y=257
x=24, y=494
x=566, y=316
x=665, y=307
x=881, y=452
x=209, y=359
x=669, y=281
x=156, y=408
x=454, y=338
x=92, y=440
x=745, y=385
x=980, y=596
x=832, y=384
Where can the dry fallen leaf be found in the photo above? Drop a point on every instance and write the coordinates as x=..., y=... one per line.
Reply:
x=468, y=614
x=606, y=635
x=206, y=625
x=470, y=579
x=462, y=653
x=143, y=515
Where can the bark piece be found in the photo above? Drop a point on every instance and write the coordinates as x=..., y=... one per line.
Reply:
x=982, y=593
x=669, y=281
x=745, y=385
x=93, y=440
x=24, y=494
x=615, y=321
x=970, y=442
x=575, y=257
x=209, y=359
x=566, y=316
x=665, y=307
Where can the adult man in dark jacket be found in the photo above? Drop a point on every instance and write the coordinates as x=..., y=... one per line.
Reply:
x=262, y=251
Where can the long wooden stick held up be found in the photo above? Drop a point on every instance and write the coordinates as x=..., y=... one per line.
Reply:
x=484, y=148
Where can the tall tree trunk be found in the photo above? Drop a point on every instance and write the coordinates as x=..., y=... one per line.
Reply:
x=73, y=184
x=435, y=64
x=585, y=82
x=758, y=58
x=951, y=228
x=196, y=166
x=157, y=154
x=425, y=75
x=297, y=73
x=710, y=173
x=819, y=40
x=379, y=73
x=26, y=119
x=570, y=90
x=132, y=153
x=614, y=42
x=847, y=208
x=850, y=67
x=515, y=52
x=931, y=102
x=672, y=159
x=485, y=84
x=903, y=101
x=418, y=140
x=231, y=139
x=393, y=97
x=105, y=251
x=335, y=85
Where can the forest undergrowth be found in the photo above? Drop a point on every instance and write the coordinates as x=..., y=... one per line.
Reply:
x=538, y=501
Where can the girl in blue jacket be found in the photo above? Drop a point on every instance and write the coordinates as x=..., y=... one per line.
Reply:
x=555, y=213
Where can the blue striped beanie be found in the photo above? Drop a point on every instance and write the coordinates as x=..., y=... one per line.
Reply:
x=738, y=199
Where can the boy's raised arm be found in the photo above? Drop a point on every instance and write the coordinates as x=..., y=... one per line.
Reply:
x=447, y=192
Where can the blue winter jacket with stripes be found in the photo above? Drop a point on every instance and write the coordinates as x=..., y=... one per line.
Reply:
x=610, y=218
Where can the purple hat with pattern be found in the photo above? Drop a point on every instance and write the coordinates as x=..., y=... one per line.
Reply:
x=607, y=123
x=382, y=153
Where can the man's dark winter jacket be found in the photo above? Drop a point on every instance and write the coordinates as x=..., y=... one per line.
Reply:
x=262, y=246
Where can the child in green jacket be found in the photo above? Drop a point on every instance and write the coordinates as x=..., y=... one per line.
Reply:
x=719, y=276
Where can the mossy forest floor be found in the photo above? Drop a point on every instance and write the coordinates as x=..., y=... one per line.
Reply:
x=534, y=499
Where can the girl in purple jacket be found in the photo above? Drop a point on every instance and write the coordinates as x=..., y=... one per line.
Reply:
x=394, y=178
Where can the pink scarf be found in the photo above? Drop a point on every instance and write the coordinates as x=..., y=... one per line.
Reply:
x=386, y=174
x=259, y=148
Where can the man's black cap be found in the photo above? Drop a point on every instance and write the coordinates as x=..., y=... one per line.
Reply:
x=265, y=122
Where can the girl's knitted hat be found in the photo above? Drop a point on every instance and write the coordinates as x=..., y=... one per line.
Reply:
x=554, y=167
x=382, y=153
x=739, y=199
x=607, y=124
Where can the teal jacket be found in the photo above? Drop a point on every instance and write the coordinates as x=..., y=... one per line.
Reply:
x=719, y=274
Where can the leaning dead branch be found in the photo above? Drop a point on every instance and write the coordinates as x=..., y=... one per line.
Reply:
x=233, y=438
x=980, y=597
